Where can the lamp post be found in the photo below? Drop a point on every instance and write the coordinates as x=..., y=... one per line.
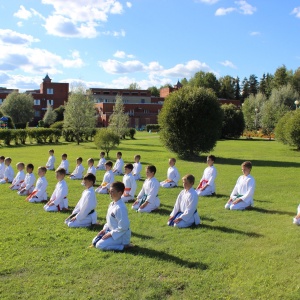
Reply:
x=256, y=111
x=297, y=103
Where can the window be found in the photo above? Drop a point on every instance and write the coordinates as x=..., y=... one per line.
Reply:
x=50, y=91
x=1, y=101
x=37, y=113
x=37, y=102
x=142, y=100
x=50, y=102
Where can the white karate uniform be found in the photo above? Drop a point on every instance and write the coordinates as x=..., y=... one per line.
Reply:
x=245, y=186
x=85, y=205
x=172, y=175
x=209, y=175
x=137, y=168
x=59, y=196
x=2, y=168
x=28, y=184
x=50, y=162
x=108, y=178
x=101, y=164
x=186, y=203
x=64, y=165
x=77, y=173
x=91, y=170
x=40, y=189
x=117, y=223
x=150, y=189
x=118, y=167
x=18, y=180
x=9, y=174
x=130, y=187
x=297, y=221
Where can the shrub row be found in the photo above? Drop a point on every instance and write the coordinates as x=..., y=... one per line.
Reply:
x=152, y=127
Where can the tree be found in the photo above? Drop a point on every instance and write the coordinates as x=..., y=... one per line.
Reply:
x=106, y=139
x=184, y=81
x=49, y=117
x=19, y=107
x=227, y=87
x=245, y=89
x=134, y=86
x=281, y=77
x=252, y=110
x=253, y=85
x=288, y=129
x=296, y=81
x=118, y=121
x=237, y=89
x=154, y=91
x=206, y=80
x=80, y=114
x=190, y=121
x=59, y=113
x=233, y=123
x=284, y=95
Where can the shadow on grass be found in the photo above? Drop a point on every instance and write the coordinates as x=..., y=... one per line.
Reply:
x=161, y=211
x=271, y=211
x=230, y=230
x=142, y=236
x=160, y=255
x=207, y=219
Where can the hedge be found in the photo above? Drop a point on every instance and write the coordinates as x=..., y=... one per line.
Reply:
x=152, y=127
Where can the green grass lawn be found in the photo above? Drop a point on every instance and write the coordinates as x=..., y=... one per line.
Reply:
x=232, y=255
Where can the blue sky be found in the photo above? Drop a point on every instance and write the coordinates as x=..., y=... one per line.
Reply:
x=108, y=43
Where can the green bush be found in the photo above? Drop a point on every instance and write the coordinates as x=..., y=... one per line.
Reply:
x=57, y=125
x=152, y=127
x=132, y=133
x=7, y=136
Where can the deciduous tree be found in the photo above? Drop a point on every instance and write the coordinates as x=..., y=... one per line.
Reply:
x=106, y=139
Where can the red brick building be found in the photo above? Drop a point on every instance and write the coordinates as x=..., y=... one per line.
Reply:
x=4, y=92
x=141, y=107
x=50, y=93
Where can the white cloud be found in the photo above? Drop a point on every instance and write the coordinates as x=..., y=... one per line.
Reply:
x=16, y=54
x=80, y=18
x=121, y=33
x=228, y=63
x=254, y=33
x=224, y=11
x=23, y=13
x=296, y=11
x=245, y=8
x=207, y=1
x=122, y=54
x=20, y=82
x=19, y=24
x=188, y=69
x=129, y=4
x=8, y=36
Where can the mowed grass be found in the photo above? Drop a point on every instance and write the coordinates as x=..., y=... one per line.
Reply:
x=232, y=255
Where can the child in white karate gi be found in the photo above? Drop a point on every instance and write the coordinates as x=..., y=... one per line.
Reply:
x=101, y=163
x=18, y=180
x=78, y=172
x=58, y=200
x=108, y=179
x=116, y=233
x=118, y=167
x=130, y=184
x=296, y=220
x=207, y=186
x=137, y=167
x=39, y=193
x=242, y=194
x=51, y=160
x=185, y=213
x=172, y=175
x=64, y=164
x=8, y=172
x=27, y=185
x=84, y=213
x=147, y=199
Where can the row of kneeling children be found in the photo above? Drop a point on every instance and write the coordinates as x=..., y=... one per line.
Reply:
x=115, y=234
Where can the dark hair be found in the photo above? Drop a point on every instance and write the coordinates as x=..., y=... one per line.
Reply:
x=61, y=171
x=247, y=164
x=212, y=157
x=51, y=150
x=118, y=186
x=30, y=166
x=173, y=159
x=64, y=155
x=151, y=168
x=2, y=157
x=90, y=177
x=44, y=169
x=80, y=159
x=90, y=160
x=102, y=153
x=109, y=163
x=129, y=166
x=137, y=156
x=190, y=178
x=119, y=153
